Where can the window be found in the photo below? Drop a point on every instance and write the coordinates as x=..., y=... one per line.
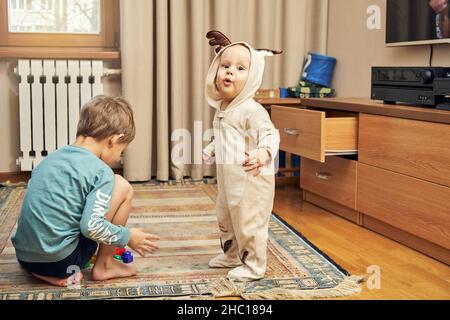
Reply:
x=54, y=16
x=59, y=23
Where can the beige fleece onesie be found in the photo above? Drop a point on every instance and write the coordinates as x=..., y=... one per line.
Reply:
x=244, y=202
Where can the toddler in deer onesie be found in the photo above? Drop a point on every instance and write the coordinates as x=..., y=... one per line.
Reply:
x=245, y=144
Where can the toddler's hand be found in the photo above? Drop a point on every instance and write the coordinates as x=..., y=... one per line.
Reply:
x=141, y=242
x=255, y=160
x=207, y=159
x=439, y=6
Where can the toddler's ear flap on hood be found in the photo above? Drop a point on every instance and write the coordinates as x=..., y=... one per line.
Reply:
x=269, y=52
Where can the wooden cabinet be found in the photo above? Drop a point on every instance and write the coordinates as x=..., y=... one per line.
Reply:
x=404, y=179
x=413, y=205
x=398, y=185
x=335, y=179
x=419, y=149
x=314, y=134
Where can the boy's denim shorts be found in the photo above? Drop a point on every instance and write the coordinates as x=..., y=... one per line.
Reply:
x=83, y=253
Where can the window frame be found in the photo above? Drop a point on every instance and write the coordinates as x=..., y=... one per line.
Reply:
x=107, y=38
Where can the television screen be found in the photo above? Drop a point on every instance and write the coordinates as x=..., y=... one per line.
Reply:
x=417, y=22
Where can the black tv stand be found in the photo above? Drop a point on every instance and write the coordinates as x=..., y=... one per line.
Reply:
x=443, y=106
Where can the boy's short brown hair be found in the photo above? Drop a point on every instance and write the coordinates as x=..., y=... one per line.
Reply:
x=105, y=116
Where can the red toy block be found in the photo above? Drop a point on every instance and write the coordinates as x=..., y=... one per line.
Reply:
x=119, y=252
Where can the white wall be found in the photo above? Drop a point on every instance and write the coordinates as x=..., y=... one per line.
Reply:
x=357, y=48
x=9, y=121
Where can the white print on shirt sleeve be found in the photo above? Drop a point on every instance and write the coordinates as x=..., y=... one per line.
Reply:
x=98, y=231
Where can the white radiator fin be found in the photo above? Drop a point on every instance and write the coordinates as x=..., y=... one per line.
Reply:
x=51, y=94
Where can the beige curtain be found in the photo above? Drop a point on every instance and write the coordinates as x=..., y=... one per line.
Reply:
x=165, y=58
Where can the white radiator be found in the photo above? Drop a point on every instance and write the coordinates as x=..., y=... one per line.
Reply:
x=51, y=94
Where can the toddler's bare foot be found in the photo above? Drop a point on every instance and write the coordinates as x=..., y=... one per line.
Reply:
x=224, y=261
x=112, y=269
x=71, y=280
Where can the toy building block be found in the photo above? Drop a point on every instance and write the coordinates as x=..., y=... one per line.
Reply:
x=119, y=251
x=88, y=265
x=127, y=257
x=117, y=257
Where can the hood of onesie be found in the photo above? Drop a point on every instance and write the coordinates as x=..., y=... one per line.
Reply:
x=255, y=77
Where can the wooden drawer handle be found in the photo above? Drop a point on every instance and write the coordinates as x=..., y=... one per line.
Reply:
x=323, y=176
x=291, y=131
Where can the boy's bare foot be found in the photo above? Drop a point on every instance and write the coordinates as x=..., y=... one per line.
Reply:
x=112, y=269
x=72, y=280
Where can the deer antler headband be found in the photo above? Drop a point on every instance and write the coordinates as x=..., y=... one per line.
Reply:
x=217, y=38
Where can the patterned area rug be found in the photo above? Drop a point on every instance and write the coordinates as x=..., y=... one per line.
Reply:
x=183, y=216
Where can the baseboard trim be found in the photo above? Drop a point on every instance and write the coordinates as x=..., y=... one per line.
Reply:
x=14, y=177
x=336, y=208
x=287, y=181
x=17, y=177
x=428, y=248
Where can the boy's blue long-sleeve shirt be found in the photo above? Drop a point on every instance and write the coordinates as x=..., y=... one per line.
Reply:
x=69, y=193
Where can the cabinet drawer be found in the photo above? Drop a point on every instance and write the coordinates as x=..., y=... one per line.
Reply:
x=315, y=134
x=416, y=148
x=335, y=179
x=419, y=207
